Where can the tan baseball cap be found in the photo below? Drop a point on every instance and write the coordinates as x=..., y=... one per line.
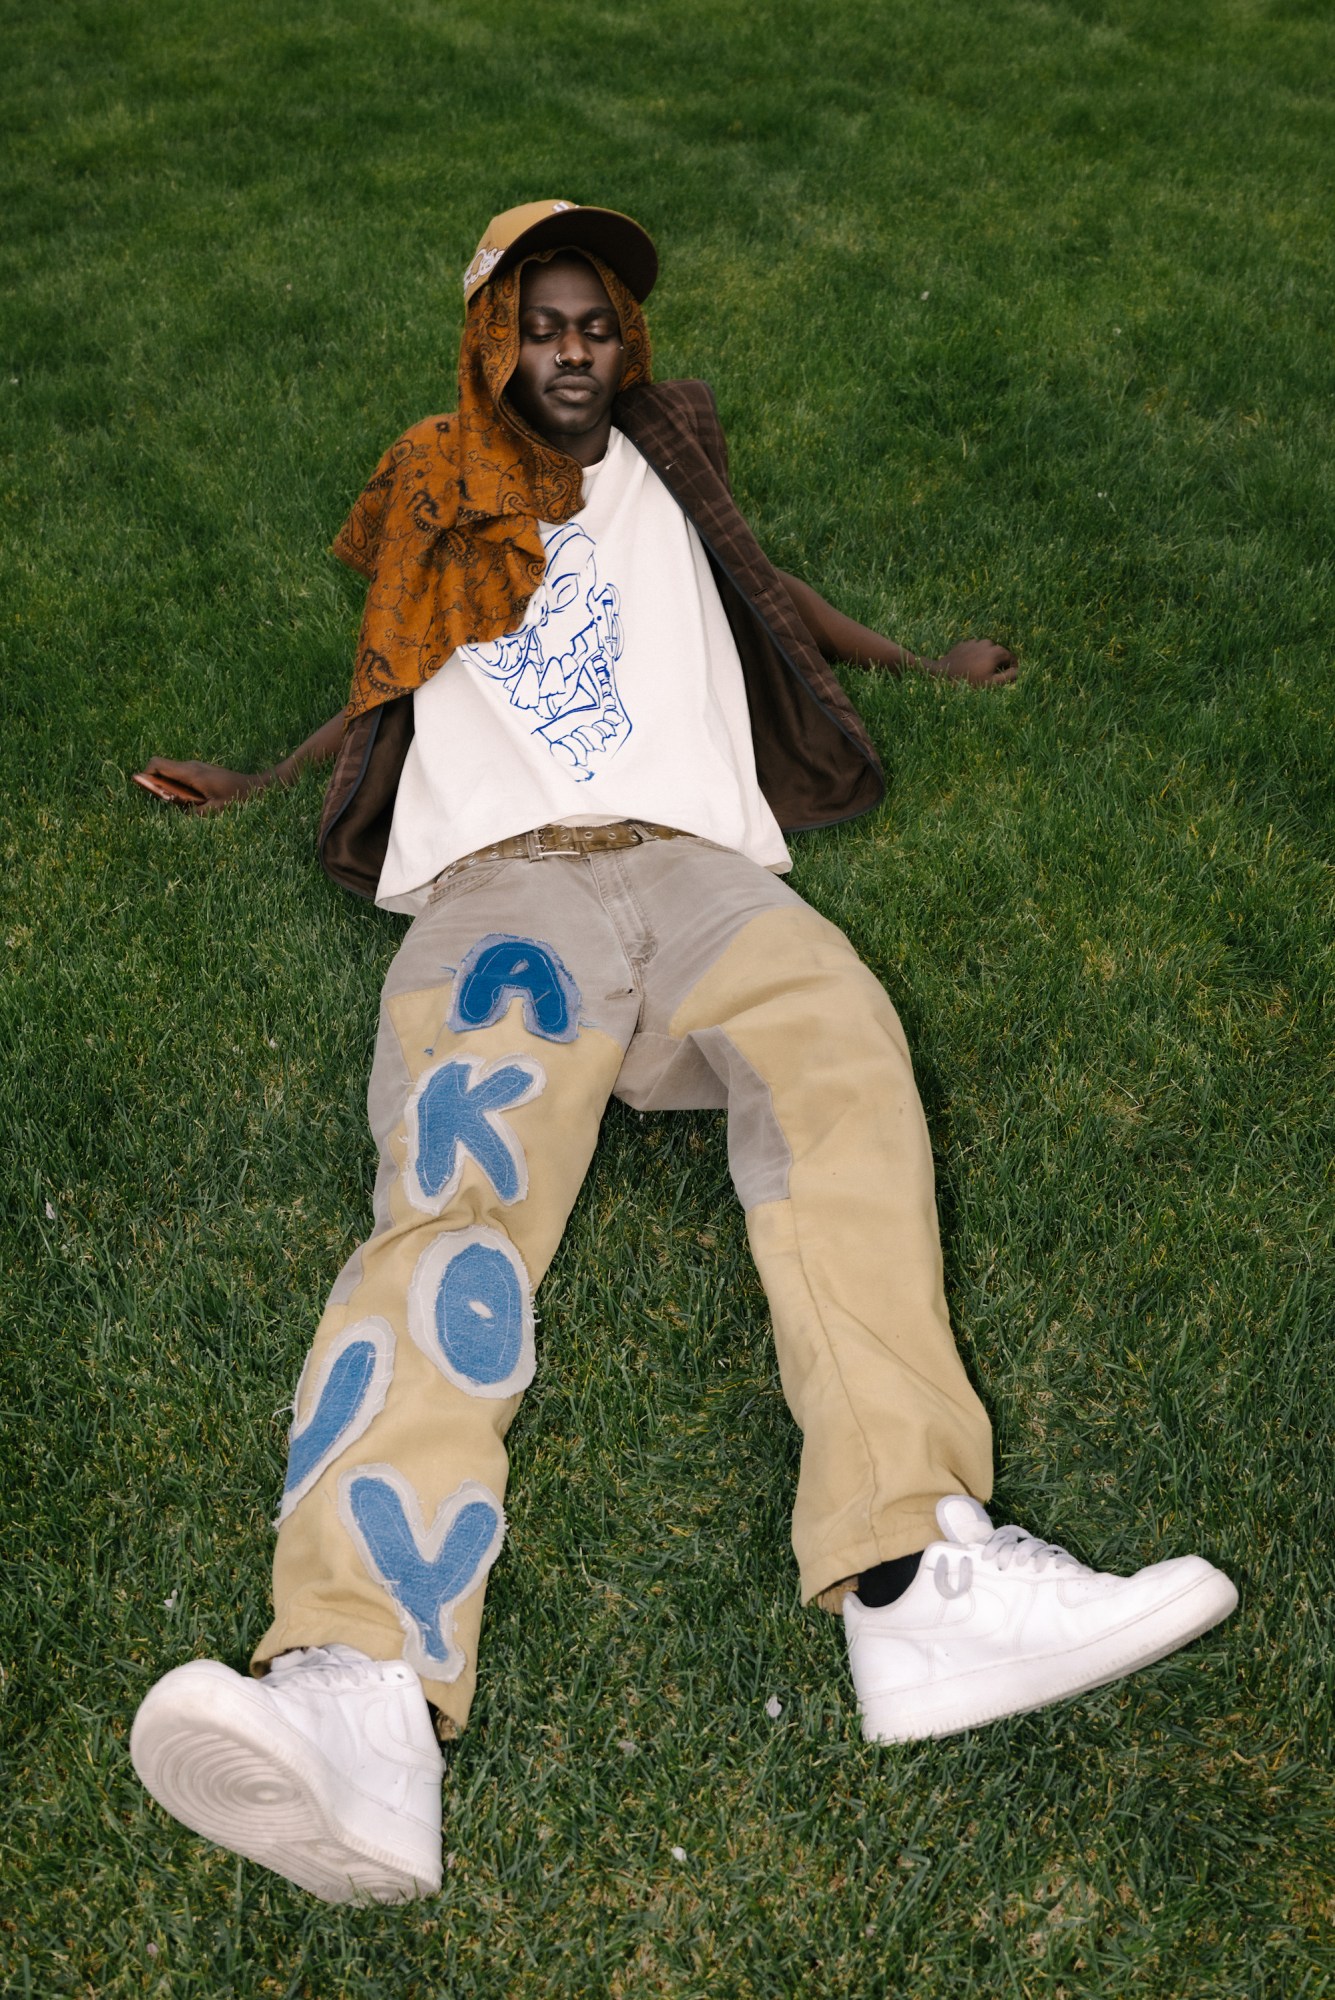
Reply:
x=552, y=225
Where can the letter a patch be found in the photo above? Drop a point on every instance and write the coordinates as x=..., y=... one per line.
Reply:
x=501, y=969
x=455, y=1113
x=470, y=1310
x=427, y=1571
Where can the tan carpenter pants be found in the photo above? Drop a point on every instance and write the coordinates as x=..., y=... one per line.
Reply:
x=673, y=975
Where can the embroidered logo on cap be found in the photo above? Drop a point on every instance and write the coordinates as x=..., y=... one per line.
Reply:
x=482, y=266
x=488, y=255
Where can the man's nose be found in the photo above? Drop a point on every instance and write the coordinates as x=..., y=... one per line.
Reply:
x=574, y=349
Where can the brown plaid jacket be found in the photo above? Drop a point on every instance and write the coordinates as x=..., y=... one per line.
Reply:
x=814, y=760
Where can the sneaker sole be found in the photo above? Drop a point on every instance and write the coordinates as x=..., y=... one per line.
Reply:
x=991, y=1693
x=246, y=1781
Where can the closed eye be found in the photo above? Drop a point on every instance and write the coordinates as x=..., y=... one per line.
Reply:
x=548, y=330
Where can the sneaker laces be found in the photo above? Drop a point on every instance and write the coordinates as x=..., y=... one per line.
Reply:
x=1006, y=1547
x=323, y=1660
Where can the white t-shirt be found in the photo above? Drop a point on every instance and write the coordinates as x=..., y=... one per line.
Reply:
x=619, y=696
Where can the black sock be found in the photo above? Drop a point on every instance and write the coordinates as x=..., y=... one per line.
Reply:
x=889, y=1580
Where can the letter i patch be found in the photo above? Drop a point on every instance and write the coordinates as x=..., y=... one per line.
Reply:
x=348, y=1392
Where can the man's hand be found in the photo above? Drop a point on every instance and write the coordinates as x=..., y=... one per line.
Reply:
x=198, y=788
x=207, y=788
x=977, y=661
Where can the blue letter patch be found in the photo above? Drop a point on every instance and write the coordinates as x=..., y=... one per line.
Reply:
x=500, y=968
x=352, y=1386
x=456, y=1110
x=470, y=1311
x=426, y=1571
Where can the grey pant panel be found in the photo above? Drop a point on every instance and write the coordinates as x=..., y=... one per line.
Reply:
x=637, y=930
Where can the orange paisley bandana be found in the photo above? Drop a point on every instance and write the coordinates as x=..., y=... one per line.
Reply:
x=446, y=530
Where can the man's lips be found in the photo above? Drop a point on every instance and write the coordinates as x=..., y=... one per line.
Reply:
x=573, y=388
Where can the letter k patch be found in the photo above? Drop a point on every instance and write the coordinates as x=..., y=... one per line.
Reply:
x=456, y=1113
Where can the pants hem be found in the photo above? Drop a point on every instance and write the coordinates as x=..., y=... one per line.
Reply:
x=826, y=1578
x=378, y=1642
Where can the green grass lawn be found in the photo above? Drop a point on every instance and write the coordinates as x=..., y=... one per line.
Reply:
x=1020, y=317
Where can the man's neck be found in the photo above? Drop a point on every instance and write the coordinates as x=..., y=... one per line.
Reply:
x=587, y=448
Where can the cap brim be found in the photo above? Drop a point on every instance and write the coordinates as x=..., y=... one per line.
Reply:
x=615, y=238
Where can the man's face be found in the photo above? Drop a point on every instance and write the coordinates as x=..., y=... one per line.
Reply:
x=570, y=357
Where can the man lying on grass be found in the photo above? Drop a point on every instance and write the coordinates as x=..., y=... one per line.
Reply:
x=585, y=711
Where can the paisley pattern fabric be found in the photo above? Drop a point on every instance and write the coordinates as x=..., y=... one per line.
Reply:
x=446, y=531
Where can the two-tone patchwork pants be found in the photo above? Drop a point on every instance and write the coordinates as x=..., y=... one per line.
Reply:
x=673, y=975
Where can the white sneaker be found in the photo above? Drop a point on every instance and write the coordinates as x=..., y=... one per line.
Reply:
x=996, y=1622
x=327, y=1770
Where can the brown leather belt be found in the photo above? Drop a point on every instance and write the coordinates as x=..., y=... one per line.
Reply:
x=542, y=841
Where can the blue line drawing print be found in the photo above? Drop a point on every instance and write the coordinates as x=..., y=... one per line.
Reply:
x=560, y=666
x=470, y=1310
x=427, y=1571
x=500, y=969
x=456, y=1111
x=349, y=1391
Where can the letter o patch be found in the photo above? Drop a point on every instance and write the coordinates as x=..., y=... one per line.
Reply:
x=470, y=1311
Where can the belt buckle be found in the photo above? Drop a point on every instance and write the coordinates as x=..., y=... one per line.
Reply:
x=547, y=840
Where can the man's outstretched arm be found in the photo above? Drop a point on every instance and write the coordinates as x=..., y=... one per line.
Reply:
x=207, y=788
x=839, y=637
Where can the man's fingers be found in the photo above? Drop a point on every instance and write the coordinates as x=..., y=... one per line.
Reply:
x=173, y=791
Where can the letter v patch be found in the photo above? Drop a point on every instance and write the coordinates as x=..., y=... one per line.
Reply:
x=349, y=1391
x=427, y=1571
